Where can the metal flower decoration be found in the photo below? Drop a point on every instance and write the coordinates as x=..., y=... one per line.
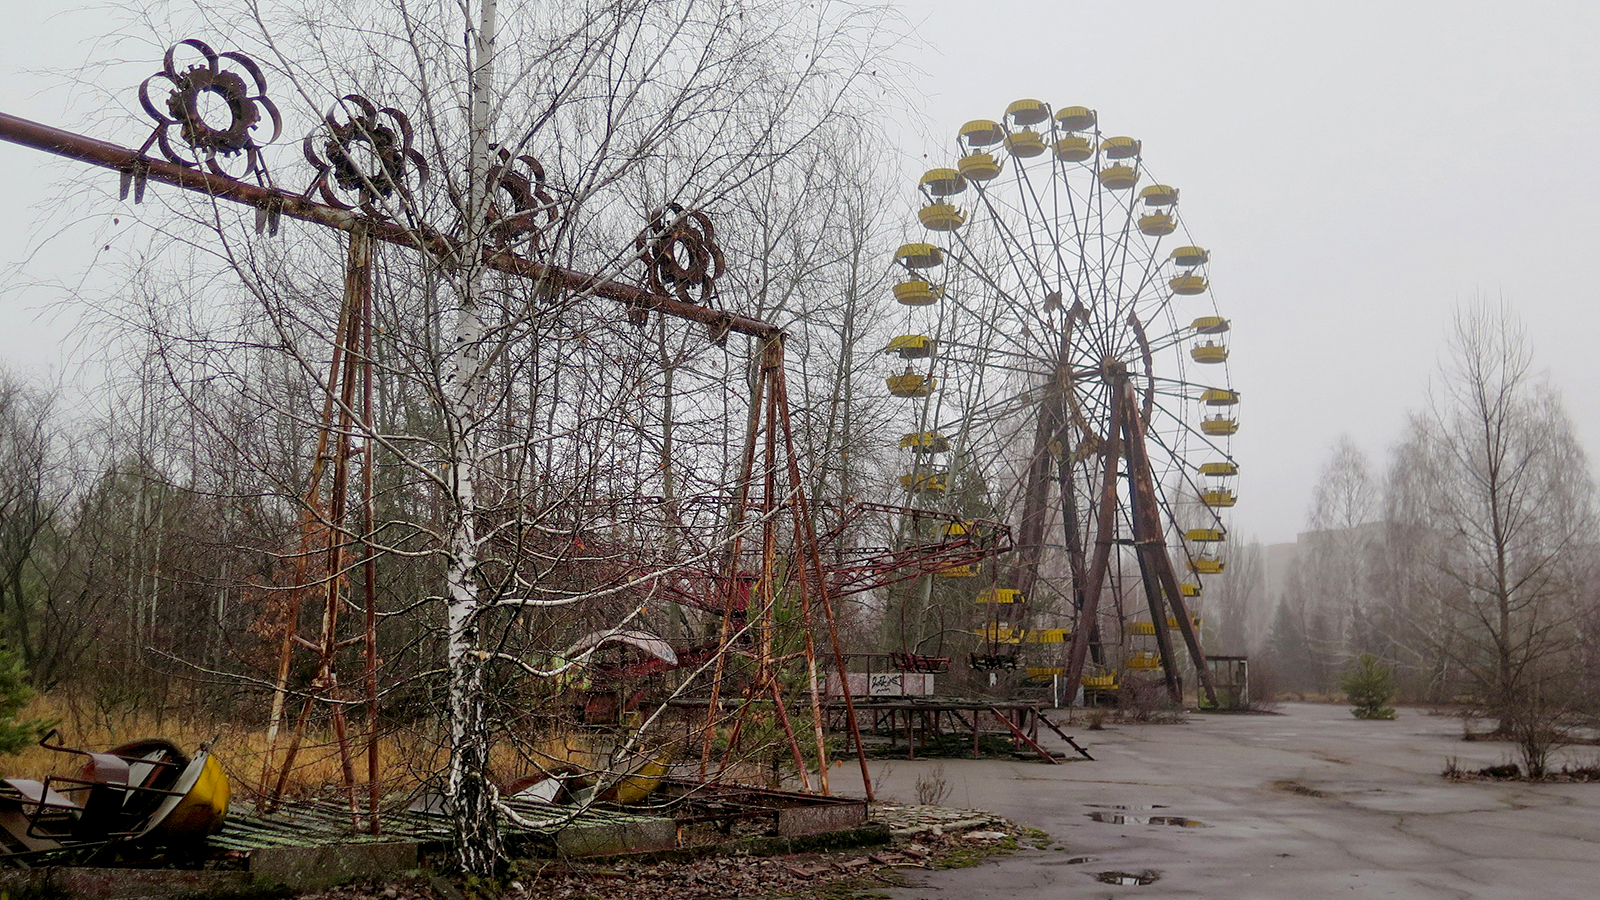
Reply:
x=215, y=110
x=364, y=158
x=679, y=248
x=521, y=207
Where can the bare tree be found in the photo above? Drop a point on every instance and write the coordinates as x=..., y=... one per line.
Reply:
x=1326, y=616
x=1239, y=598
x=1344, y=507
x=1414, y=598
x=30, y=498
x=1509, y=491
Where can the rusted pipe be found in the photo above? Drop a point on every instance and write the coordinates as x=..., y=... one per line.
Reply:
x=131, y=163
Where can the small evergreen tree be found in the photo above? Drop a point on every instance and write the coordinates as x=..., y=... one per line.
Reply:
x=14, y=697
x=1370, y=686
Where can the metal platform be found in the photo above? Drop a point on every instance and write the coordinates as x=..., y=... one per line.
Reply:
x=927, y=718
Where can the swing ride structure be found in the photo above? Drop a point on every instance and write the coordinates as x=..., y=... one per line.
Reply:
x=365, y=172
x=1064, y=368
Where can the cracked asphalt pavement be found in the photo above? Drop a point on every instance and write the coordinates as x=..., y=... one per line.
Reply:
x=1307, y=803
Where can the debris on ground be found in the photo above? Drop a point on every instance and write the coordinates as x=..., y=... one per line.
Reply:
x=924, y=837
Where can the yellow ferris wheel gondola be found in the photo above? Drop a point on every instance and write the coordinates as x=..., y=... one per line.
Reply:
x=917, y=292
x=911, y=384
x=1073, y=148
x=999, y=595
x=924, y=483
x=925, y=442
x=998, y=633
x=1075, y=118
x=1143, y=660
x=943, y=182
x=919, y=255
x=1157, y=224
x=941, y=217
x=912, y=346
x=980, y=165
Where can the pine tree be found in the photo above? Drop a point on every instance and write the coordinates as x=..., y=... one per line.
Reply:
x=15, y=695
x=1370, y=686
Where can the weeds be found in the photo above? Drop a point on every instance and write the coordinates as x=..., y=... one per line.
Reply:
x=932, y=787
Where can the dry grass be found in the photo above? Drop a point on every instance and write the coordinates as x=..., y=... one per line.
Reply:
x=407, y=759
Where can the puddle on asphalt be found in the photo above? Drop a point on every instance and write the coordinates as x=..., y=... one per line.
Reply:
x=1126, y=805
x=1128, y=878
x=1116, y=818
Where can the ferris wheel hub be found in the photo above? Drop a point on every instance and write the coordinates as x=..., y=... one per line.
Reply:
x=1113, y=370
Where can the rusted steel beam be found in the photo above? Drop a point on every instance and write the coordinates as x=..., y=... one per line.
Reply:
x=1063, y=735
x=1105, y=538
x=1022, y=736
x=56, y=141
x=1153, y=545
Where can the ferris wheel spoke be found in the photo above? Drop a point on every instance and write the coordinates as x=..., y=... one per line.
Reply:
x=1174, y=338
x=1123, y=245
x=1047, y=220
x=964, y=263
x=1007, y=233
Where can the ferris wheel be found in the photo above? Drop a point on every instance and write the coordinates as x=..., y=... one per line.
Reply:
x=1061, y=353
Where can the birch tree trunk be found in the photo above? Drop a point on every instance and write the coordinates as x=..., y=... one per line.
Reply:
x=472, y=807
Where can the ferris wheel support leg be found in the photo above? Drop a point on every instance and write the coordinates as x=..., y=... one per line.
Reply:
x=1075, y=556
x=1146, y=518
x=1105, y=538
x=1186, y=628
x=1036, y=494
x=1149, y=566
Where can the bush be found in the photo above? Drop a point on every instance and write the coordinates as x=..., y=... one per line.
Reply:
x=1370, y=686
x=15, y=695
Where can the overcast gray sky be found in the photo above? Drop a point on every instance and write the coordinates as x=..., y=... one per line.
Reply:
x=1357, y=169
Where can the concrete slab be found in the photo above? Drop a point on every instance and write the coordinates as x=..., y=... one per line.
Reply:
x=88, y=883
x=1308, y=804
x=316, y=867
x=642, y=835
